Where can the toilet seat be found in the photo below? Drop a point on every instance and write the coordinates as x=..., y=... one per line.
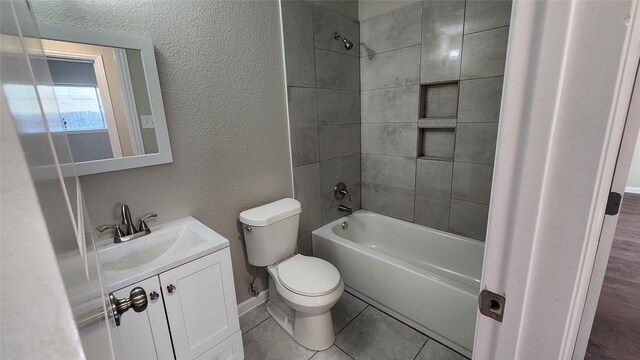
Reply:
x=308, y=276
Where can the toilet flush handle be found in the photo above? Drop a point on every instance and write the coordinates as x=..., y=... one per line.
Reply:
x=248, y=228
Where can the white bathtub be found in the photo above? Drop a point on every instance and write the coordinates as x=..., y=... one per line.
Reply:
x=425, y=277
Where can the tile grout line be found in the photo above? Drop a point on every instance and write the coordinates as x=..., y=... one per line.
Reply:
x=423, y=345
x=373, y=54
x=256, y=325
x=351, y=357
x=337, y=52
x=420, y=132
x=388, y=186
x=346, y=325
x=469, y=201
x=350, y=321
x=392, y=87
x=485, y=30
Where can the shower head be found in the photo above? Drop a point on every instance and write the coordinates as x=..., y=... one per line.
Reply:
x=347, y=43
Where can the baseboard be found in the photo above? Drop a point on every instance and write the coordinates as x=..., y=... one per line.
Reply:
x=248, y=305
x=633, y=190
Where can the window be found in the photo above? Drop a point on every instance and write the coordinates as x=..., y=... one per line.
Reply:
x=80, y=107
x=76, y=91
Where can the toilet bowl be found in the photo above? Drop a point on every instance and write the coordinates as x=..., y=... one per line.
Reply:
x=302, y=289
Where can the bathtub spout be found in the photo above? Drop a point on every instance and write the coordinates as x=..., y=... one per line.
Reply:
x=345, y=209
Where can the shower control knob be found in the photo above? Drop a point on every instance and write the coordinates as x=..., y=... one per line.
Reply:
x=171, y=288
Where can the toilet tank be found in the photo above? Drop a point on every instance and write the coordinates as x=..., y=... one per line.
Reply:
x=271, y=231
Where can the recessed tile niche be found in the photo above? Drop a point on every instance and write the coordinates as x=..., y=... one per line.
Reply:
x=438, y=118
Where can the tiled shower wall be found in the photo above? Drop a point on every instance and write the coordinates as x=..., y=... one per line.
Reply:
x=431, y=84
x=323, y=88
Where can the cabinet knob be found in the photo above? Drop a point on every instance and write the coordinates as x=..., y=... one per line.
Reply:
x=154, y=295
x=171, y=288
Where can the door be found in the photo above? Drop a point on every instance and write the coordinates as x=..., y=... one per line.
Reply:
x=28, y=92
x=201, y=304
x=563, y=113
x=145, y=335
x=620, y=176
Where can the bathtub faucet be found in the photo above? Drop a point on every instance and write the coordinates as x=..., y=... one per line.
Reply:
x=346, y=209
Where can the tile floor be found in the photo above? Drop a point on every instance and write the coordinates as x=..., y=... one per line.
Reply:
x=362, y=333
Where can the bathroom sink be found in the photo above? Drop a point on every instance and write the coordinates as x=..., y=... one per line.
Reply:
x=169, y=245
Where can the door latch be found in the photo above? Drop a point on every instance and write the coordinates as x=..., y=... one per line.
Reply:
x=613, y=204
x=491, y=304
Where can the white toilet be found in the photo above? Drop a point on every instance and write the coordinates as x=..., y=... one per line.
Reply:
x=302, y=289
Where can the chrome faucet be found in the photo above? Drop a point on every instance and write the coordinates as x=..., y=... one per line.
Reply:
x=130, y=231
x=345, y=209
x=126, y=220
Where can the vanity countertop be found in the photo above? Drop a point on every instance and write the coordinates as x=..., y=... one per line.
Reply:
x=168, y=246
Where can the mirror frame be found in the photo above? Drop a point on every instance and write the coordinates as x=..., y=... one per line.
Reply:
x=145, y=45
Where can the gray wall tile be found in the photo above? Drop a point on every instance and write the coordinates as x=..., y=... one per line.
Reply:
x=305, y=246
x=303, y=125
x=343, y=169
x=438, y=143
x=485, y=53
x=389, y=201
x=330, y=204
x=390, y=138
x=337, y=71
x=326, y=22
x=387, y=170
x=468, y=219
x=306, y=183
x=394, y=68
x=298, y=43
x=480, y=100
x=433, y=193
x=476, y=142
x=390, y=31
x=442, y=100
x=472, y=182
x=338, y=107
x=441, y=40
x=484, y=15
x=339, y=140
x=398, y=104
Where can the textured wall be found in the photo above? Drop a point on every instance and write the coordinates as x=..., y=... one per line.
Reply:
x=222, y=79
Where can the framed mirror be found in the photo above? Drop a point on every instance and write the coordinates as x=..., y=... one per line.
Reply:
x=109, y=97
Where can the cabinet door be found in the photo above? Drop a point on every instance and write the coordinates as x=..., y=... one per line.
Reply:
x=228, y=349
x=145, y=335
x=201, y=304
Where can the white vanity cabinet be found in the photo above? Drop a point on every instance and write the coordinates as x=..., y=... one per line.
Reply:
x=198, y=301
x=145, y=335
x=201, y=307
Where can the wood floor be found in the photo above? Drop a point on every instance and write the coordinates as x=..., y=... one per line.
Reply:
x=616, y=328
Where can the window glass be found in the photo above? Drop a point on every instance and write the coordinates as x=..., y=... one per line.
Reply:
x=80, y=107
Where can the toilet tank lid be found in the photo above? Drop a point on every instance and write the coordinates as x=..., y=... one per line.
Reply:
x=270, y=213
